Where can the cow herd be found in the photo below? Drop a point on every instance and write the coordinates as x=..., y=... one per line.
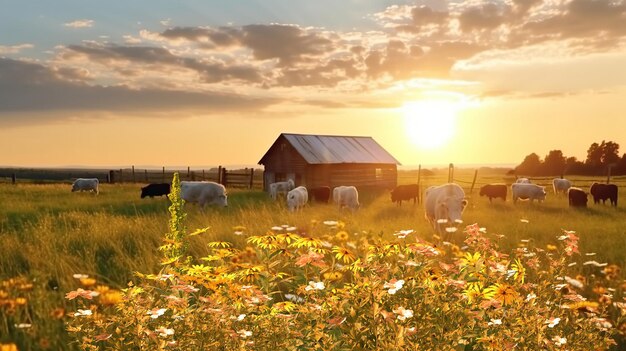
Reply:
x=443, y=204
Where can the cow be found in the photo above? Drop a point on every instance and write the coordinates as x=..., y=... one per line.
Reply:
x=522, y=180
x=297, y=198
x=577, y=197
x=527, y=191
x=494, y=191
x=444, y=204
x=204, y=193
x=155, y=189
x=603, y=192
x=320, y=194
x=281, y=188
x=560, y=185
x=346, y=196
x=405, y=192
x=86, y=184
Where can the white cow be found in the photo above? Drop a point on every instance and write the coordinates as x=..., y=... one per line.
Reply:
x=86, y=184
x=204, y=193
x=444, y=205
x=297, y=198
x=561, y=185
x=347, y=196
x=528, y=192
x=281, y=188
x=522, y=181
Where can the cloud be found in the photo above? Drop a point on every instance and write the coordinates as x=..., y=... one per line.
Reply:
x=83, y=23
x=14, y=49
x=31, y=87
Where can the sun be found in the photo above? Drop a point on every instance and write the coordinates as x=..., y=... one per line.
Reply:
x=430, y=124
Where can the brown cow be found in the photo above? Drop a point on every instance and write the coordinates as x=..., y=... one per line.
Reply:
x=494, y=190
x=405, y=192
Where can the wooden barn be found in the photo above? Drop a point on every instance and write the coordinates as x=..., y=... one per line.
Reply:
x=329, y=160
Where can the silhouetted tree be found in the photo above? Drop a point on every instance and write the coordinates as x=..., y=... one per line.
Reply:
x=554, y=163
x=530, y=166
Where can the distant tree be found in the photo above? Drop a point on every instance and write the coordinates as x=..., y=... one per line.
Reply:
x=594, y=155
x=599, y=156
x=573, y=166
x=530, y=166
x=554, y=163
x=610, y=154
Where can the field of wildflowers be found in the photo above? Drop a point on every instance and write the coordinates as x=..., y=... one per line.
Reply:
x=327, y=285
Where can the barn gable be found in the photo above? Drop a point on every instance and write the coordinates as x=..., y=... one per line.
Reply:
x=328, y=160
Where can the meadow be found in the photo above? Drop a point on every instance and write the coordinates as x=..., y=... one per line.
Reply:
x=50, y=235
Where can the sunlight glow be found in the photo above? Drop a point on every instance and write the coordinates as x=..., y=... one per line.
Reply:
x=431, y=123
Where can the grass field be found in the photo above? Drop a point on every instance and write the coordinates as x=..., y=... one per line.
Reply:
x=56, y=233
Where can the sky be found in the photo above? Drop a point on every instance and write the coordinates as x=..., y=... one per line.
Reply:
x=207, y=82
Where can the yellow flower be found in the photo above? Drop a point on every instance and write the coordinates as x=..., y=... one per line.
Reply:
x=8, y=347
x=20, y=301
x=110, y=298
x=342, y=235
x=551, y=247
x=332, y=276
x=87, y=282
x=504, y=293
x=344, y=254
x=474, y=292
x=518, y=271
x=306, y=242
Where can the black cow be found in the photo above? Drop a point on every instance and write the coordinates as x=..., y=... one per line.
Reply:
x=155, y=189
x=494, y=190
x=603, y=192
x=405, y=192
x=320, y=194
x=577, y=197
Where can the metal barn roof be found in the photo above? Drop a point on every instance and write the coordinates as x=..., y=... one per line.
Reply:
x=322, y=149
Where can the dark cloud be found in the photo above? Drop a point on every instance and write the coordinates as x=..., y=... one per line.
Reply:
x=486, y=17
x=31, y=87
x=209, y=72
x=328, y=75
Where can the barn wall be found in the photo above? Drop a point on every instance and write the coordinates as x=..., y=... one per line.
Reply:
x=284, y=162
x=359, y=175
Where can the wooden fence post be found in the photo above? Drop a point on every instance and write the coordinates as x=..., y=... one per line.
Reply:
x=111, y=177
x=251, y=178
x=224, y=179
x=450, y=173
x=163, y=177
x=13, y=178
x=121, y=176
x=419, y=179
x=188, y=173
x=203, y=178
x=133, y=171
x=474, y=181
x=219, y=174
x=146, y=174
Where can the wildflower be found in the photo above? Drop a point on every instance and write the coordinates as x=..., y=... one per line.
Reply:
x=312, y=258
x=590, y=254
x=451, y=229
x=80, y=276
x=474, y=292
x=87, y=282
x=403, y=233
x=584, y=306
x=342, y=235
x=344, y=254
x=86, y=294
x=82, y=313
x=315, y=286
x=495, y=322
x=393, y=285
x=336, y=321
x=442, y=221
x=57, y=313
x=334, y=275
x=551, y=247
x=552, y=322
x=530, y=296
x=330, y=223
x=294, y=298
x=559, y=341
x=291, y=229
x=156, y=312
x=517, y=271
x=110, y=298
x=523, y=220
x=8, y=347
x=244, y=333
x=403, y=313
x=574, y=282
x=164, y=332
x=23, y=325
x=20, y=301
x=503, y=293
x=241, y=317
x=238, y=232
x=185, y=288
x=594, y=263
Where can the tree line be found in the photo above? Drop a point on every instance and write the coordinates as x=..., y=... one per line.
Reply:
x=600, y=156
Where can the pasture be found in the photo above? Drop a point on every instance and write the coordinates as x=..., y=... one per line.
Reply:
x=50, y=234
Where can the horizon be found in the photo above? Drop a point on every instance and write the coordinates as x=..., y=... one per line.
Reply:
x=480, y=82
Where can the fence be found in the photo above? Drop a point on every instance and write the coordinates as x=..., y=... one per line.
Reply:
x=240, y=178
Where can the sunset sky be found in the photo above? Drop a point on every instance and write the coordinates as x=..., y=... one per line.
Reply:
x=208, y=82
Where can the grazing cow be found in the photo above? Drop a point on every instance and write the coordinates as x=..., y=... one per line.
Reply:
x=86, y=184
x=405, y=192
x=560, y=185
x=346, y=196
x=204, y=193
x=522, y=180
x=444, y=204
x=155, y=189
x=527, y=191
x=281, y=188
x=577, y=197
x=603, y=192
x=297, y=198
x=320, y=194
x=494, y=191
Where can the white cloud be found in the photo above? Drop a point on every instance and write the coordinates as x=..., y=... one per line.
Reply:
x=14, y=49
x=83, y=23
